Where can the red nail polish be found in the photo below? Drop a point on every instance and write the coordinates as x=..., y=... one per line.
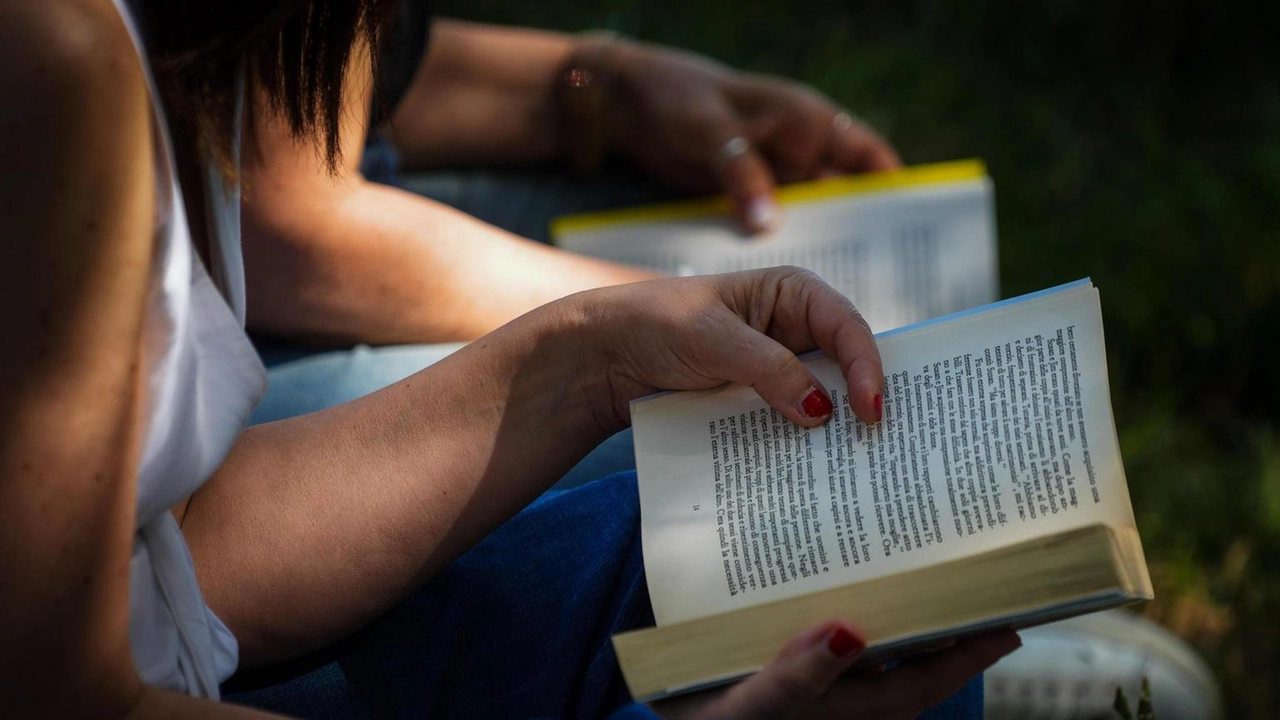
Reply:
x=879, y=405
x=816, y=404
x=844, y=644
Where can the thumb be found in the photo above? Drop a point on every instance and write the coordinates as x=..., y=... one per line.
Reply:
x=800, y=675
x=744, y=175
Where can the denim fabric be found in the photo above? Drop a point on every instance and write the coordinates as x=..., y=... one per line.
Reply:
x=380, y=161
x=302, y=382
x=520, y=200
x=524, y=201
x=517, y=627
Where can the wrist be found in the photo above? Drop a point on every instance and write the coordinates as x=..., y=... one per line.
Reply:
x=627, y=67
x=603, y=392
x=585, y=99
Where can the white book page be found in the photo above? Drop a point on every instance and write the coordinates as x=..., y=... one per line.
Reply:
x=902, y=255
x=997, y=429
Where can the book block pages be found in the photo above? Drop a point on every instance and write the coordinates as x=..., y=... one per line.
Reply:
x=921, y=248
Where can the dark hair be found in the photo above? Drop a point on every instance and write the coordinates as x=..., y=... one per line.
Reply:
x=293, y=53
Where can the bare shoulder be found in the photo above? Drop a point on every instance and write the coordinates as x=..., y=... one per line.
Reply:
x=67, y=56
x=77, y=185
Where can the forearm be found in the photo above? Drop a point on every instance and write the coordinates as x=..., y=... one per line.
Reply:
x=483, y=94
x=315, y=526
x=372, y=263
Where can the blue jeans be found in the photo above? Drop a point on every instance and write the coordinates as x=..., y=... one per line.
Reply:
x=517, y=627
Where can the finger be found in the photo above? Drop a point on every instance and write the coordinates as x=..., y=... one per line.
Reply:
x=808, y=312
x=795, y=142
x=799, y=677
x=856, y=147
x=922, y=682
x=744, y=176
x=870, y=670
x=812, y=135
x=790, y=124
x=750, y=357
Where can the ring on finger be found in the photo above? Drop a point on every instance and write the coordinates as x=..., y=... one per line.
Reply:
x=843, y=121
x=732, y=149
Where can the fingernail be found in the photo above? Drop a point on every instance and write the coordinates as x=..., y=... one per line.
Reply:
x=878, y=403
x=762, y=212
x=844, y=644
x=1009, y=646
x=816, y=404
x=1017, y=643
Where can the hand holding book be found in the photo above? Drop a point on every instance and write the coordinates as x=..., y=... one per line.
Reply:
x=672, y=112
x=991, y=496
x=746, y=328
x=810, y=678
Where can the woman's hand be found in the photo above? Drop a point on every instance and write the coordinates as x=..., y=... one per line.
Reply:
x=808, y=680
x=697, y=333
x=678, y=114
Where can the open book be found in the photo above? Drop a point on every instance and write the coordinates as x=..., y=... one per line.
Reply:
x=905, y=246
x=991, y=495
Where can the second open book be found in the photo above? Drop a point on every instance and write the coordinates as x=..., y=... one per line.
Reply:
x=904, y=246
x=991, y=495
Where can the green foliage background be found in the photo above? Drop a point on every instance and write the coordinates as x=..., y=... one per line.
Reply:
x=1136, y=143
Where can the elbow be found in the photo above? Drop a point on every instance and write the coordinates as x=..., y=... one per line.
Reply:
x=292, y=256
x=281, y=259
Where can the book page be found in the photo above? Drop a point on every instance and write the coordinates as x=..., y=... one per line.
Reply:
x=901, y=255
x=997, y=429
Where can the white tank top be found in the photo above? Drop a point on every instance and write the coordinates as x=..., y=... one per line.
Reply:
x=203, y=379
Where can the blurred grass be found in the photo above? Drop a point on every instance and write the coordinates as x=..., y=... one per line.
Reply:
x=1135, y=143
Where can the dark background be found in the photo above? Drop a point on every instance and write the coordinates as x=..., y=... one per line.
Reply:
x=1136, y=143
